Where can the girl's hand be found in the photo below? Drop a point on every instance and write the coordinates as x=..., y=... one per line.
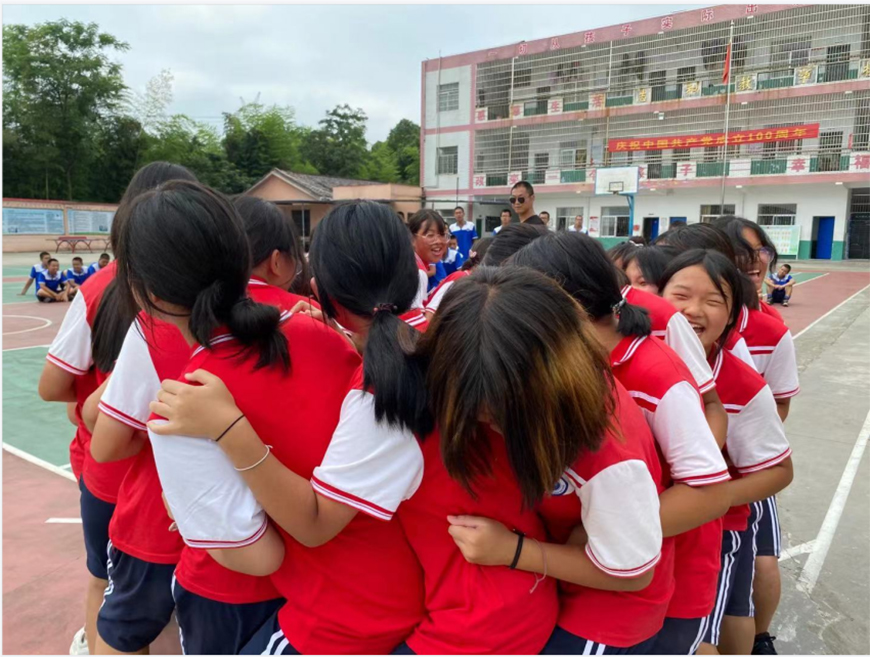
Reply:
x=305, y=308
x=578, y=536
x=204, y=410
x=483, y=541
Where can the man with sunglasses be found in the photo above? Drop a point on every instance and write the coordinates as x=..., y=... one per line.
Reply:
x=523, y=202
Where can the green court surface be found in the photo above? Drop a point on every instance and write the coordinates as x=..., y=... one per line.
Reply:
x=30, y=424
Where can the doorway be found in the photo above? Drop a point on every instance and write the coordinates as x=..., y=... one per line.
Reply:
x=650, y=228
x=823, y=245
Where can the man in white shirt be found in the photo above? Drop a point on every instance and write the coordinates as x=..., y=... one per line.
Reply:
x=578, y=226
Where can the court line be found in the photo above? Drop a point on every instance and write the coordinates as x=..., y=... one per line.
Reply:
x=813, y=567
x=35, y=460
x=33, y=346
x=63, y=521
x=803, y=548
x=36, y=328
x=837, y=307
x=810, y=280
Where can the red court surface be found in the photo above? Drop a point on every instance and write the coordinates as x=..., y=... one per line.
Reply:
x=43, y=563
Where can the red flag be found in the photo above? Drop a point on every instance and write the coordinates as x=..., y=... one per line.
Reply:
x=727, y=72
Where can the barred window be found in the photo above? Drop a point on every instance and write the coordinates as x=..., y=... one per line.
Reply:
x=710, y=212
x=780, y=214
x=448, y=160
x=448, y=97
x=615, y=222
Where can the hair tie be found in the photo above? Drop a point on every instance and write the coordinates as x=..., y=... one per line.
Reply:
x=617, y=307
x=385, y=307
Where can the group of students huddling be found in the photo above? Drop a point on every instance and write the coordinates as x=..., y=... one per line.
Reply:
x=54, y=285
x=313, y=455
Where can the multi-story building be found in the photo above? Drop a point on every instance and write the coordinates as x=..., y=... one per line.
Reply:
x=652, y=94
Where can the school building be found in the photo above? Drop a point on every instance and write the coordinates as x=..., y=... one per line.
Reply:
x=769, y=102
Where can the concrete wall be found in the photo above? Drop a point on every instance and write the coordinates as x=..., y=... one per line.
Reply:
x=820, y=200
x=433, y=143
x=461, y=116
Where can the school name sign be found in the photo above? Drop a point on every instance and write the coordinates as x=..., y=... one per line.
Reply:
x=789, y=133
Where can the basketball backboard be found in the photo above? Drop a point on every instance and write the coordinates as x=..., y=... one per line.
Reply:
x=617, y=180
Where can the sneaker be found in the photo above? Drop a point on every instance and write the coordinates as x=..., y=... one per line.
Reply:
x=785, y=304
x=764, y=644
x=79, y=645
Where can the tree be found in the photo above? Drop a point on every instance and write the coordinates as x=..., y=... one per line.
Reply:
x=259, y=138
x=381, y=164
x=58, y=82
x=404, y=141
x=338, y=147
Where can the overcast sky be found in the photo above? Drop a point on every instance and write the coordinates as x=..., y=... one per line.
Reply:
x=315, y=57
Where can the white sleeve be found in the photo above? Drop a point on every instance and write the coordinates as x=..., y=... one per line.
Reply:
x=685, y=439
x=369, y=465
x=422, y=289
x=756, y=438
x=680, y=337
x=742, y=352
x=781, y=372
x=211, y=504
x=621, y=516
x=134, y=382
x=71, y=348
x=438, y=295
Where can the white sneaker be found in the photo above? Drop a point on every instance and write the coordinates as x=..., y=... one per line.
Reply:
x=79, y=645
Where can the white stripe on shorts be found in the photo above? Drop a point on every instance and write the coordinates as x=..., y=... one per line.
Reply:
x=275, y=637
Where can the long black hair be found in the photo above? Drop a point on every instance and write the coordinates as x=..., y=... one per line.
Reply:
x=185, y=244
x=618, y=253
x=509, y=240
x=478, y=253
x=722, y=271
x=581, y=266
x=651, y=260
x=270, y=230
x=113, y=318
x=734, y=226
x=363, y=261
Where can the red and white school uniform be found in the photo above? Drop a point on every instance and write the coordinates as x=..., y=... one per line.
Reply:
x=771, y=347
x=770, y=311
x=422, y=283
x=416, y=318
x=671, y=326
x=614, y=492
x=755, y=441
x=437, y=295
x=661, y=384
x=362, y=591
x=472, y=609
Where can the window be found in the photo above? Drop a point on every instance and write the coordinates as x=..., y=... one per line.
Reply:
x=572, y=155
x=539, y=173
x=659, y=89
x=837, y=63
x=448, y=97
x=615, y=222
x=565, y=217
x=773, y=149
x=710, y=212
x=781, y=214
x=302, y=220
x=523, y=75
x=788, y=53
x=448, y=160
x=686, y=74
x=830, y=147
x=861, y=138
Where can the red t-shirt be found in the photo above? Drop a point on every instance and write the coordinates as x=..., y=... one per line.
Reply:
x=661, y=384
x=771, y=347
x=416, y=318
x=615, y=492
x=436, y=296
x=72, y=351
x=472, y=609
x=770, y=311
x=756, y=439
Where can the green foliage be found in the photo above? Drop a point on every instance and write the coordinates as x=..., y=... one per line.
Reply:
x=72, y=129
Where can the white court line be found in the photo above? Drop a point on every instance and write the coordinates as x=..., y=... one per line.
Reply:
x=34, y=346
x=813, y=567
x=68, y=466
x=20, y=453
x=63, y=521
x=792, y=552
x=48, y=323
x=810, y=280
x=830, y=311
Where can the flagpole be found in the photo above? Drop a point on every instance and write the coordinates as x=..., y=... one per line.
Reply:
x=727, y=115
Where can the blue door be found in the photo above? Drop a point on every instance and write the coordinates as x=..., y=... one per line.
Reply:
x=825, y=238
x=654, y=229
x=675, y=221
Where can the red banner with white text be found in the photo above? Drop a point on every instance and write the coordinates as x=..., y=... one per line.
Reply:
x=759, y=136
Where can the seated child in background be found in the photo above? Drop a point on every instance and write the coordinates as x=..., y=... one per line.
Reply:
x=779, y=286
x=51, y=284
x=76, y=275
x=37, y=269
x=99, y=264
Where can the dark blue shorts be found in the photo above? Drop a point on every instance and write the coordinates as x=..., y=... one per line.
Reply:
x=269, y=640
x=734, y=590
x=208, y=627
x=563, y=642
x=96, y=515
x=137, y=604
x=679, y=636
x=769, y=537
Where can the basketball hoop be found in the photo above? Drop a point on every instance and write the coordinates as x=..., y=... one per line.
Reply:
x=616, y=187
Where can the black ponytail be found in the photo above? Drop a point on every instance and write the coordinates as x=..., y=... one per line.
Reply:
x=362, y=260
x=478, y=253
x=581, y=266
x=115, y=313
x=162, y=232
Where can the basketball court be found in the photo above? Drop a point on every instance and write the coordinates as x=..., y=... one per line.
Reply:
x=826, y=528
